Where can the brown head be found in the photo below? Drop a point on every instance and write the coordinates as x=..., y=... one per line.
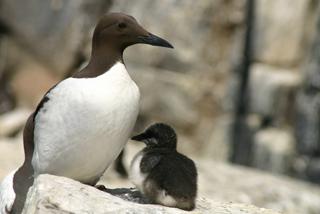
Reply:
x=113, y=34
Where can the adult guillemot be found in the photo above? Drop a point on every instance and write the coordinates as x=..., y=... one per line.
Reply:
x=161, y=173
x=83, y=122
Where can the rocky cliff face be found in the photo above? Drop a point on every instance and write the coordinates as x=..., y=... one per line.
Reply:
x=191, y=87
x=54, y=32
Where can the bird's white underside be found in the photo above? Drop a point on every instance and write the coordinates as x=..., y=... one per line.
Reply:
x=7, y=194
x=165, y=199
x=84, y=125
x=135, y=174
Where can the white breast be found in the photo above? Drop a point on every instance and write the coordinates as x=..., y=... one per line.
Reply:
x=135, y=174
x=85, y=124
x=7, y=194
x=165, y=199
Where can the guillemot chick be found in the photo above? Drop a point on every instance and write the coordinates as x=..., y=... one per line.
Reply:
x=83, y=122
x=162, y=174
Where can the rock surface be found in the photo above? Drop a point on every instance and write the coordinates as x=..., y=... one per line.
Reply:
x=222, y=182
x=11, y=155
x=53, y=31
x=273, y=150
x=271, y=91
x=274, y=20
x=13, y=122
x=230, y=183
x=201, y=33
x=219, y=182
x=52, y=194
x=308, y=103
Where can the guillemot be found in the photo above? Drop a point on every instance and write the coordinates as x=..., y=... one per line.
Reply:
x=82, y=123
x=162, y=174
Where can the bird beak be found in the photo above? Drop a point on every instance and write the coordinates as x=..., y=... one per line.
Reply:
x=154, y=40
x=143, y=137
x=139, y=137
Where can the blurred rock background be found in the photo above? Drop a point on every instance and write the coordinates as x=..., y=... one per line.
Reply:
x=194, y=87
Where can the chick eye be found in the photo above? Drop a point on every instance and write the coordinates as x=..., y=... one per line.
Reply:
x=122, y=25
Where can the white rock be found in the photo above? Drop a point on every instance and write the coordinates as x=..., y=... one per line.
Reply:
x=52, y=194
x=223, y=182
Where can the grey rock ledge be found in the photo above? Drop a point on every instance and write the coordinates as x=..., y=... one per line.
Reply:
x=52, y=194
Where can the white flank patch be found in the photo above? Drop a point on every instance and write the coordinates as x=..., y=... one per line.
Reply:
x=135, y=174
x=7, y=194
x=85, y=124
x=165, y=199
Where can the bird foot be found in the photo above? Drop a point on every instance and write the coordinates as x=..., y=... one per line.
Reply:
x=101, y=187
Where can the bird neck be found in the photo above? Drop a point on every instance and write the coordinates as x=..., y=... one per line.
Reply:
x=101, y=60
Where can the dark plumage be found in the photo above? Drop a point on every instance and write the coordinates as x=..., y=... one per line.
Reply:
x=161, y=173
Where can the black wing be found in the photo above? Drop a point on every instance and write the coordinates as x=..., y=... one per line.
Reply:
x=177, y=174
x=43, y=101
x=148, y=162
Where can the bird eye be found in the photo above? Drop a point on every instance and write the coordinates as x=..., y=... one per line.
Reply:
x=122, y=25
